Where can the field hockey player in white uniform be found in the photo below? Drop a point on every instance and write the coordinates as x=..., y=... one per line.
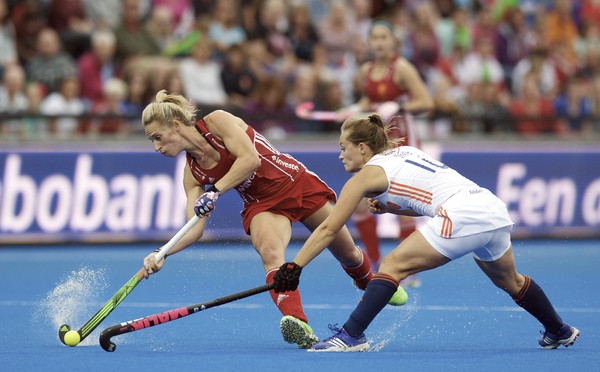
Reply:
x=465, y=218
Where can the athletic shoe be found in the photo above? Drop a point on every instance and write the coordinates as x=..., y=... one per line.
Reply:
x=411, y=281
x=341, y=341
x=295, y=331
x=565, y=336
x=399, y=298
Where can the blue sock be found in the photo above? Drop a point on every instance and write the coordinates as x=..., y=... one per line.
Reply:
x=379, y=291
x=533, y=299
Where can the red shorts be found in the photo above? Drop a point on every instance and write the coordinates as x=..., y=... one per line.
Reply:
x=307, y=196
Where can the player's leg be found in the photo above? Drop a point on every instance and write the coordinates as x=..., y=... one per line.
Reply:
x=366, y=225
x=354, y=261
x=342, y=247
x=413, y=255
x=270, y=235
x=524, y=291
x=408, y=225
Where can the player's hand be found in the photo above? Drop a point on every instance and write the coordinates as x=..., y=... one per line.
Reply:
x=150, y=264
x=287, y=278
x=377, y=207
x=206, y=203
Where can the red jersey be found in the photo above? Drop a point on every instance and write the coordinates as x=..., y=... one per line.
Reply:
x=385, y=89
x=379, y=91
x=281, y=184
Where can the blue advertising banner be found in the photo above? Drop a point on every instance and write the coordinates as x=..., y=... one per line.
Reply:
x=548, y=193
x=114, y=196
x=97, y=196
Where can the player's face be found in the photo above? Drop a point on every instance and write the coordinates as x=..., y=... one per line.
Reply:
x=350, y=155
x=165, y=139
x=382, y=42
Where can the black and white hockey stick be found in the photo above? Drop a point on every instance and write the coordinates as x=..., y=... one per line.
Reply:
x=169, y=315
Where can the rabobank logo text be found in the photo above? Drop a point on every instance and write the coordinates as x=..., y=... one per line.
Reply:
x=80, y=193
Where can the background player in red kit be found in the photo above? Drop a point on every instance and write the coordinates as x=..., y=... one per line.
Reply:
x=225, y=153
x=389, y=77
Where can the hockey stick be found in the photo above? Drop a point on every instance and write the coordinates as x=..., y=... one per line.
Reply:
x=169, y=315
x=123, y=292
x=306, y=111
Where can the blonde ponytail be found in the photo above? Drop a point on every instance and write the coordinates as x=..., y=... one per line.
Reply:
x=169, y=107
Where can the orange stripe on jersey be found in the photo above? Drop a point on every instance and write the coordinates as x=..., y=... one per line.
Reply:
x=411, y=192
x=446, y=224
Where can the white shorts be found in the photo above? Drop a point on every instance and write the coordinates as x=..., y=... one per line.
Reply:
x=485, y=246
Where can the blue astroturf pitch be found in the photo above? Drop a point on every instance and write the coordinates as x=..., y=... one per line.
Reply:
x=456, y=321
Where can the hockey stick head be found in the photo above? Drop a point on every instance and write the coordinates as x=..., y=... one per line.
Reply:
x=304, y=110
x=62, y=331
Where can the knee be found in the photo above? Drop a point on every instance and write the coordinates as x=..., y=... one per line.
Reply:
x=512, y=285
x=271, y=256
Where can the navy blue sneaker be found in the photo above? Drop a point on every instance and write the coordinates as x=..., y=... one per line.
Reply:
x=341, y=341
x=565, y=336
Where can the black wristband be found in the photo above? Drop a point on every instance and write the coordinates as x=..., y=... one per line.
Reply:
x=158, y=250
x=213, y=189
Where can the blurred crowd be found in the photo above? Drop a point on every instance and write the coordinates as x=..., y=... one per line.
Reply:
x=72, y=68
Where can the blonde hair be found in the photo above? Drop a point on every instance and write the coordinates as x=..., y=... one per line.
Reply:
x=369, y=130
x=169, y=107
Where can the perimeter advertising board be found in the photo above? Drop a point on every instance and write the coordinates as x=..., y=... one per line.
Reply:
x=48, y=196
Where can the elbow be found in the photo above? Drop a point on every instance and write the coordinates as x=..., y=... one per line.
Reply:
x=254, y=162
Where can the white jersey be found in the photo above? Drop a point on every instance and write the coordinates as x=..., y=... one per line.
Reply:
x=430, y=188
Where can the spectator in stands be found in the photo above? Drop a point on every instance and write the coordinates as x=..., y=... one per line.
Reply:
x=361, y=12
x=66, y=102
x=36, y=126
x=561, y=29
x=471, y=109
x=304, y=88
x=113, y=105
x=336, y=33
x=133, y=38
x=201, y=75
x=69, y=19
x=304, y=85
x=161, y=26
x=29, y=19
x=97, y=66
x=269, y=108
x=575, y=104
x=139, y=92
x=481, y=65
x=532, y=112
x=512, y=42
x=51, y=65
x=542, y=67
x=453, y=30
x=303, y=36
x=423, y=39
x=12, y=101
x=173, y=82
x=182, y=13
x=8, y=47
x=272, y=27
x=483, y=24
x=238, y=79
x=224, y=29
x=103, y=13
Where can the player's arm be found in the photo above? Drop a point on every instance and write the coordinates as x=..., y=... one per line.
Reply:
x=377, y=207
x=232, y=131
x=406, y=75
x=368, y=180
x=193, y=189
